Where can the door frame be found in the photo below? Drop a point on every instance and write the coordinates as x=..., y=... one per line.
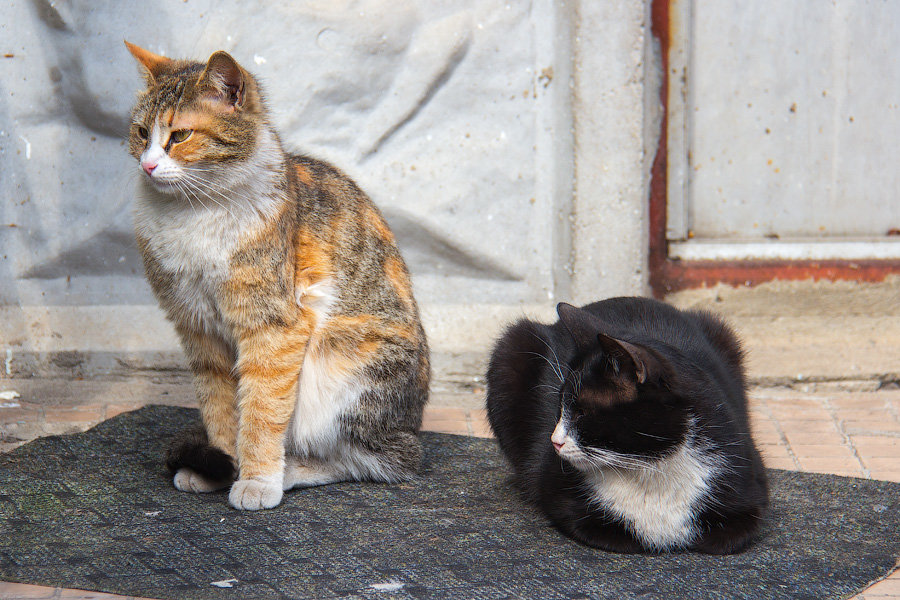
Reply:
x=669, y=20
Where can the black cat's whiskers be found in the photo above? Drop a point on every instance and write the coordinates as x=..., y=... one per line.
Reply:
x=606, y=458
x=655, y=437
x=559, y=366
x=557, y=371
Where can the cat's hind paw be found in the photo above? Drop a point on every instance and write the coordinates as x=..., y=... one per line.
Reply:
x=254, y=494
x=188, y=480
x=300, y=474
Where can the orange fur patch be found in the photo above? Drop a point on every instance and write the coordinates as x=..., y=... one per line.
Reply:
x=399, y=278
x=269, y=369
x=376, y=222
x=211, y=363
x=313, y=259
x=303, y=174
x=190, y=150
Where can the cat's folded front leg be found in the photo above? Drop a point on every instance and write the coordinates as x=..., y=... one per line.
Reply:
x=268, y=366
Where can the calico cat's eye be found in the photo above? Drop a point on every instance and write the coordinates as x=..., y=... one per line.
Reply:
x=143, y=133
x=181, y=135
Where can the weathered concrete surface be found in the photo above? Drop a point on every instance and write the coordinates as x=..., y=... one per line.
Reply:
x=798, y=332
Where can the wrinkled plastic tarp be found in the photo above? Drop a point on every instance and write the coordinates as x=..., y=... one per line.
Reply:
x=429, y=106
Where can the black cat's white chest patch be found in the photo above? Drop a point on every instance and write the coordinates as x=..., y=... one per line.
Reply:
x=660, y=500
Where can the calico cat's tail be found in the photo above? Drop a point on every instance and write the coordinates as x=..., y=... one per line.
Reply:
x=191, y=449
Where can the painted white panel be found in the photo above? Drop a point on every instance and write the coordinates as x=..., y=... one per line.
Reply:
x=822, y=249
x=794, y=119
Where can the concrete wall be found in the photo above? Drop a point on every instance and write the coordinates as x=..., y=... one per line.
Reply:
x=503, y=140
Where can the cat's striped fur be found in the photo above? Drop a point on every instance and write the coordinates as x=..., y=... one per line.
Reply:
x=286, y=287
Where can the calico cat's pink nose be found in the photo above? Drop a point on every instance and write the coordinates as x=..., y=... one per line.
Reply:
x=148, y=166
x=557, y=446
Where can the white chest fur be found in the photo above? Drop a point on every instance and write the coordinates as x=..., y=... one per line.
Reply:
x=192, y=235
x=658, y=503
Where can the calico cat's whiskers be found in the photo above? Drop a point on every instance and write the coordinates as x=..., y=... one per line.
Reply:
x=187, y=195
x=243, y=201
x=204, y=188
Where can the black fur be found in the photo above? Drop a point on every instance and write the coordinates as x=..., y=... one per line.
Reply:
x=636, y=377
x=191, y=449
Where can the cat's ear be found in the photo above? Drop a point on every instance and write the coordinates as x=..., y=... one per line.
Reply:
x=581, y=325
x=645, y=364
x=224, y=80
x=153, y=64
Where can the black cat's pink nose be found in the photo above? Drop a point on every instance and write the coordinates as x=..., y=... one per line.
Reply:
x=148, y=166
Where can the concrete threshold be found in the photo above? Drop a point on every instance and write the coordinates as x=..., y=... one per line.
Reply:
x=843, y=336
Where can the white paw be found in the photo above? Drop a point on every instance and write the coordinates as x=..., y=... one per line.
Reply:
x=188, y=480
x=253, y=494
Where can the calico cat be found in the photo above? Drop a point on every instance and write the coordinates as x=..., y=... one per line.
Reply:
x=626, y=423
x=286, y=287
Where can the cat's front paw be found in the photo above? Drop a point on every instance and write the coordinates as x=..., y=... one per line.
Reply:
x=254, y=494
x=188, y=480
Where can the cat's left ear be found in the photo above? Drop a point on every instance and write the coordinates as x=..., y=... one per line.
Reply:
x=647, y=367
x=225, y=80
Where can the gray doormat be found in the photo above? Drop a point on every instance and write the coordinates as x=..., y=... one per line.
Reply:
x=97, y=511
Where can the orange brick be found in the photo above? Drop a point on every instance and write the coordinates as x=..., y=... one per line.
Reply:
x=768, y=439
x=761, y=420
x=773, y=451
x=457, y=427
x=813, y=437
x=117, y=409
x=889, y=587
x=871, y=425
x=821, y=451
x=788, y=402
x=480, y=425
x=445, y=413
x=24, y=591
x=19, y=413
x=79, y=414
x=801, y=414
x=780, y=463
x=882, y=462
x=863, y=415
x=801, y=425
x=866, y=441
x=893, y=475
x=862, y=401
x=761, y=425
x=836, y=465
x=85, y=595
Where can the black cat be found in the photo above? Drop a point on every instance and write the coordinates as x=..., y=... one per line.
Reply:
x=626, y=423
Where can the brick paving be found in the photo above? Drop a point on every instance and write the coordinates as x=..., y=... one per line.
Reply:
x=824, y=429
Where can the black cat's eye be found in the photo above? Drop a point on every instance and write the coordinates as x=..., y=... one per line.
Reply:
x=181, y=135
x=575, y=412
x=142, y=131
